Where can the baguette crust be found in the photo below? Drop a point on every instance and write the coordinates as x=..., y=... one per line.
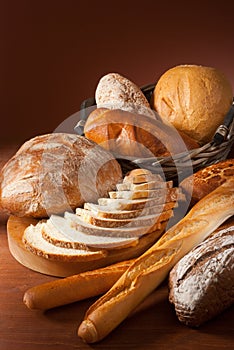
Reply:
x=74, y=288
x=151, y=268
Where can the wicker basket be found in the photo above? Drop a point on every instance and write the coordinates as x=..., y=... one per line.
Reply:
x=179, y=165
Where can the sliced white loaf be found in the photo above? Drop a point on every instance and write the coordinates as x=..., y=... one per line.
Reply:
x=34, y=242
x=79, y=223
x=161, y=192
x=108, y=212
x=58, y=231
x=128, y=204
x=147, y=220
x=128, y=186
x=138, y=176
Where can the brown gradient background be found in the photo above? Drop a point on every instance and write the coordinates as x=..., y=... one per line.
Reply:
x=54, y=52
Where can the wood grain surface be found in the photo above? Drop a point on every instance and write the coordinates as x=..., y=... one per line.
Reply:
x=154, y=328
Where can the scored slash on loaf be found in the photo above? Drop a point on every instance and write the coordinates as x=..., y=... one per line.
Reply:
x=97, y=229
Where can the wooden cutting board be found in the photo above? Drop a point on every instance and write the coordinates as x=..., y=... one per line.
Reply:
x=15, y=230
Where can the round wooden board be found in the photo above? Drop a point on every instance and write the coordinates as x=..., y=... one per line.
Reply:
x=15, y=230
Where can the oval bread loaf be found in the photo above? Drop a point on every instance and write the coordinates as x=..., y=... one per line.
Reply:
x=202, y=282
x=117, y=92
x=130, y=134
x=56, y=172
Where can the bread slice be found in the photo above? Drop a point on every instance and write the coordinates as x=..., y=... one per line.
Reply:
x=148, y=220
x=107, y=212
x=85, y=227
x=136, y=204
x=34, y=242
x=58, y=231
x=128, y=186
x=141, y=176
x=161, y=192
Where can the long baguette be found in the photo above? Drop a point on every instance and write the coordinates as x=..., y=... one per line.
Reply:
x=74, y=288
x=151, y=268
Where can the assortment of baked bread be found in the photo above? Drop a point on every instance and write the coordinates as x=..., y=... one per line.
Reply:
x=86, y=210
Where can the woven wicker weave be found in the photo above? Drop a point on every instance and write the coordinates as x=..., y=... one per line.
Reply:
x=175, y=166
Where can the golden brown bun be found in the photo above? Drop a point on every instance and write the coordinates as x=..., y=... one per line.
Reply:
x=206, y=180
x=131, y=134
x=56, y=172
x=194, y=99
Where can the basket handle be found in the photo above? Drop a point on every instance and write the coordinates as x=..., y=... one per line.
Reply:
x=222, y=131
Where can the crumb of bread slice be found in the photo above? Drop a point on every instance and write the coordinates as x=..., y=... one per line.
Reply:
x=142, y=220
x=80, y=224
x=34, y=242
x=130, y=204
x=160, y=192
x=108, y=212
x=58, y=231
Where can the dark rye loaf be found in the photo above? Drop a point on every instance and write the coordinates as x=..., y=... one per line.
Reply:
x=202, y=283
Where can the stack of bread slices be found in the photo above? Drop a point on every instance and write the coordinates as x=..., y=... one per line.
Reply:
x=140, y=207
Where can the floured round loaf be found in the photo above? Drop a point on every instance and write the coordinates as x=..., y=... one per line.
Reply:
x=195, y=99
x=207, y=179
x=202, y=282
x=117, y=92
x=56, y=172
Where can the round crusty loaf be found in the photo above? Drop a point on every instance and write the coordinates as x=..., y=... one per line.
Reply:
x=207, y=180
x=195, y=99
x=117, y=92
x=201, y=283
x=132, y=135
x=56, y=172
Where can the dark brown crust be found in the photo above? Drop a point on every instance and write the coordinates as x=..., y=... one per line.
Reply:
x=210, y=265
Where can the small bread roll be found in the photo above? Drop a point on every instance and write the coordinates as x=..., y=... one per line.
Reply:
x=117, y=92
x=195, y=99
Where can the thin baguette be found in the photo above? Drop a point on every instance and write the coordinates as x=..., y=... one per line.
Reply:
x=74, y=288
x=151, y=268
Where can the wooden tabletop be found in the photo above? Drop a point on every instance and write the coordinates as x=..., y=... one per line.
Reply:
x=154, y=328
